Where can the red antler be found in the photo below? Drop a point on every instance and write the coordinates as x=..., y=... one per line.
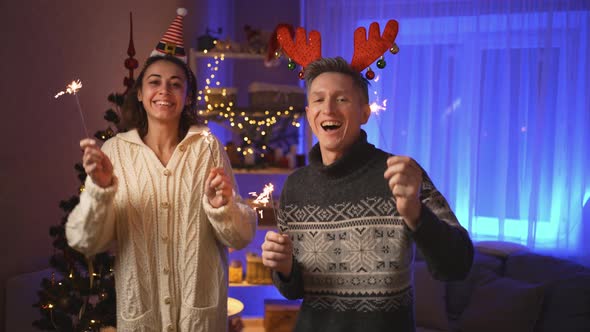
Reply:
x=366, y=51
x=298, y=49
x=273, y=42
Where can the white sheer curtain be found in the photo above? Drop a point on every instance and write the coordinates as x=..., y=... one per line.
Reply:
x=492, y=99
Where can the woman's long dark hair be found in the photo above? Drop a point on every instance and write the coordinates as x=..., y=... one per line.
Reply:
x=134, y=115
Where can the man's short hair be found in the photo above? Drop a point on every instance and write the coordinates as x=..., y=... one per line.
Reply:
x=337, y=65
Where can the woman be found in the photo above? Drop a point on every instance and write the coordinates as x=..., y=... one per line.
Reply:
x=163, y=193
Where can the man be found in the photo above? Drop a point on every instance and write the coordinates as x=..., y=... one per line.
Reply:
x=349, y=220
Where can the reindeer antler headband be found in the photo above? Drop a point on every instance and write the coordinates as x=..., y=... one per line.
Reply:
x=304, y=51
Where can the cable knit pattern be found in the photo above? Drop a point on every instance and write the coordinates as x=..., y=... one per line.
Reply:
x=171, y=256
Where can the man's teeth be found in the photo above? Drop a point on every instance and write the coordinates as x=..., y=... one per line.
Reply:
x=331, y=125
x=163, y=103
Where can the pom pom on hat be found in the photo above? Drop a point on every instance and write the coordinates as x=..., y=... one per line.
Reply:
x=172, y=42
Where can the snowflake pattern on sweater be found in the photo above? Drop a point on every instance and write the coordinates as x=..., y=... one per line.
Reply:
x=353, y=252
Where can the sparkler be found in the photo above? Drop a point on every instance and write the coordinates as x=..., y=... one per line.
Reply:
x=208, y=138
x=264, y=198
x=376, y=108
x=72, y=89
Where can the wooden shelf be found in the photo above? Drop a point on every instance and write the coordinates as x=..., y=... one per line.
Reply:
x=264, y=171
x=246, y=284
x=227, y=55
x=252, y=112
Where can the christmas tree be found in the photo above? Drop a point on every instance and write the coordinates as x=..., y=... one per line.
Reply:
x=80, y=294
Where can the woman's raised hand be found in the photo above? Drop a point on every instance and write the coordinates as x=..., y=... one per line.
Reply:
x=218, y=187
x=96, y=164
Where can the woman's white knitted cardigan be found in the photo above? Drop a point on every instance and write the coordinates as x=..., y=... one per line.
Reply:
x=171, y=245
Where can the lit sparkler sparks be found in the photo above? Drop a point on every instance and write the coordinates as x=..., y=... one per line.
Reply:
x=264, y=198
x=208, y=138
x=376, y=108
x=72, y=89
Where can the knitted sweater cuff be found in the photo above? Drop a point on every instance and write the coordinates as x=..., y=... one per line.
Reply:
x=101, y=194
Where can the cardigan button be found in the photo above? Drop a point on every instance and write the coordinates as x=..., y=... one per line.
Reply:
x=182, y=148
x=166, y=270
x=167, y=172
x=167, y=300
x=165, y=205
x=170, y=328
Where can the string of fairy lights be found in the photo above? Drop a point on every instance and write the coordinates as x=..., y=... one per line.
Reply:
x=254, y=126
